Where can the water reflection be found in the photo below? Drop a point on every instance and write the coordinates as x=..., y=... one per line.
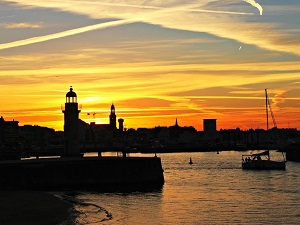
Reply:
x=117, y=208
x=213, y=190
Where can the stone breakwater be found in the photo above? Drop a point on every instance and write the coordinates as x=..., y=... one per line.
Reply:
x=81, y=172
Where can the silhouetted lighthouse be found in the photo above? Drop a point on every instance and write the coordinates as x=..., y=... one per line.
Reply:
x=71, y=119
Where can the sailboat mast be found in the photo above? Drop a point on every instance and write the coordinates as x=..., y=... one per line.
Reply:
x=267, y=113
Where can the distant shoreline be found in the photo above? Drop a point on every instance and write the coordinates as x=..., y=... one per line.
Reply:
x=156, y=151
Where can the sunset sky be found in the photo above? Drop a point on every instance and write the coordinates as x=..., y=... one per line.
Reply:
x=154, y=60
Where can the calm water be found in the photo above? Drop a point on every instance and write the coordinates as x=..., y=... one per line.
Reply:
x=214, y=190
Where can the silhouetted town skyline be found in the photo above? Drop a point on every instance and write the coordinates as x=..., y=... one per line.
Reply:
x=95, y=137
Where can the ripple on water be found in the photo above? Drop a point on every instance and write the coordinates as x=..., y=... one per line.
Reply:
x=86, y=212
x=212, y=191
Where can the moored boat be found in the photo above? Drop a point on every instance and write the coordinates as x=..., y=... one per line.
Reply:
x=262, y=161
x=255, y=161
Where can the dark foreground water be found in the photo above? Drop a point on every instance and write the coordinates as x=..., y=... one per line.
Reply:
x=214, y=190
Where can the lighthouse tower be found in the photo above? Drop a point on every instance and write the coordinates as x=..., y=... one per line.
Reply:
x=71, y=119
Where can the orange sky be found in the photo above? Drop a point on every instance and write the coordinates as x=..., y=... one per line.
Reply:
x=155, y=61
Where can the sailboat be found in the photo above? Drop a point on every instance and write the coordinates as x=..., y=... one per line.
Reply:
x=262, y=161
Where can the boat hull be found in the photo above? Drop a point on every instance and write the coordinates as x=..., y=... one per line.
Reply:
x=264, y=165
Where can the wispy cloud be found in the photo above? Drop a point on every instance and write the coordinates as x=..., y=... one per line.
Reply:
x=174, y=15
x=21, y=25
x=141, y=17
x=279, y=98
x=183, y=80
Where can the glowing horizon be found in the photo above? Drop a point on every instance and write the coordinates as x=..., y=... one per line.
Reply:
x=155, y=61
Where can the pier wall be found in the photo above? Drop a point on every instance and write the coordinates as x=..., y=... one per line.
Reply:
x=81, y=172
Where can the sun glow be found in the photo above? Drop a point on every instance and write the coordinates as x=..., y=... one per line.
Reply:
x=156, y=61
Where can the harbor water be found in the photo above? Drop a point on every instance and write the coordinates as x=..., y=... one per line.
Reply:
x=212, y=190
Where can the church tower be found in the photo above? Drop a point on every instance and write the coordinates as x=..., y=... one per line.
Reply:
x=71, y=122
x=113, y=117
x=176, y=123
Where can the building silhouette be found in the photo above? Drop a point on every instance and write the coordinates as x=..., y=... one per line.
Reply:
x=80, y=136
x=71, y=123
x=113, y=117
x=121, y=124
x=9, y=134
x=210, y=126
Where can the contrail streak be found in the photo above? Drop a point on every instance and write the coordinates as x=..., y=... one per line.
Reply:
x=185, y=10
x=106, y=25
x=65, y=33
x=256, y=5
x=215, y=11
